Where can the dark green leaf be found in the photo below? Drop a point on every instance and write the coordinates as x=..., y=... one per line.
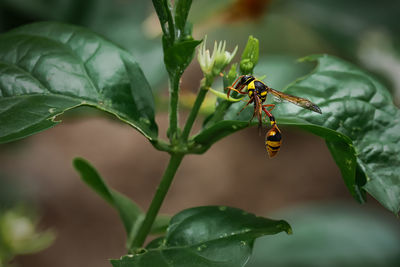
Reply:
x=178, y=57
x=216, y=132
x=206, y=236
x=178, y=44
x=48, y=68
x=359, y=122
x=181, y=12
x=162, y=12
x=163, y=9
x=128, y=211
x=358, y=106
x=345, y=157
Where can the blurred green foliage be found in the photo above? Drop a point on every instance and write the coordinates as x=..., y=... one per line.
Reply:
x=331, y=234
x=285, y=28
x=18, y=234
x=18, y=224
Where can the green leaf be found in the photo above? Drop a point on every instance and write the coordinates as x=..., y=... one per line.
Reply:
x=206, y=236
x=178, y=44
x=358, y=106
x=208, y=136
x=359, y=122
x=178, y=56
x=163, y=9
x=48, y=68
x=128, y=211
x=181, y=12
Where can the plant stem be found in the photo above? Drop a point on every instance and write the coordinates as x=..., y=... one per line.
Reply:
x=196, y=107
x=173, y=108
x=193, y=113
x=157, y=201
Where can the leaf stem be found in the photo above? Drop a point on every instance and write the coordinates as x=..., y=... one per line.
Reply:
x=157, y=201
x=173, y=108
x=195, y=109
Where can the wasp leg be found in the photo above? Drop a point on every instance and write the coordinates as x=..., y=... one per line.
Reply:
x=258, y=109
x=236, y=86
x=237, y=80
x=236, y=90
x=268, y=111
x=271, y=106
x=248, y=102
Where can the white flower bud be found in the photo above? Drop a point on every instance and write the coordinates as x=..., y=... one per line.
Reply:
x=219, y=59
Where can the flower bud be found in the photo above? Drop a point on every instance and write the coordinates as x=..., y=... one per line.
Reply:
x=250, y=56
x=213, y=64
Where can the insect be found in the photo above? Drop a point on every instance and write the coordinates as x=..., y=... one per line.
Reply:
x=257, y=92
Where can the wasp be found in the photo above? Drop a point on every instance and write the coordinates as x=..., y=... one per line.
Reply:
x=257, y=92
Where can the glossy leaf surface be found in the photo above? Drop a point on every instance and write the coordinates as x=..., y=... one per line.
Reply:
x=206, y=236
x=359, y=123
x=48, y=68
x=178, y=56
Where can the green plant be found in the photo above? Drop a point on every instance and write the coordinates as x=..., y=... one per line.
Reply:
x=48, y=68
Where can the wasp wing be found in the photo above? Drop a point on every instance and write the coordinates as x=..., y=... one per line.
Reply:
x=299, y=101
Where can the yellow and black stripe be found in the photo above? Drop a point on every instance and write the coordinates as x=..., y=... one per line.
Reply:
x=257, y=87
x=273, y=139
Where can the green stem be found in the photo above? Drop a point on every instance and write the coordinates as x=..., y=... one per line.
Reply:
x=195, y=110
x=173, y=108
x=171, y=27
x=158, y=199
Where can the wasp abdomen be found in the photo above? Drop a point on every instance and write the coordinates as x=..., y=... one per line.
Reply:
x=273, y=141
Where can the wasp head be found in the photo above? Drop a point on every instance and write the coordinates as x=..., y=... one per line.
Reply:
x=244, y=80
